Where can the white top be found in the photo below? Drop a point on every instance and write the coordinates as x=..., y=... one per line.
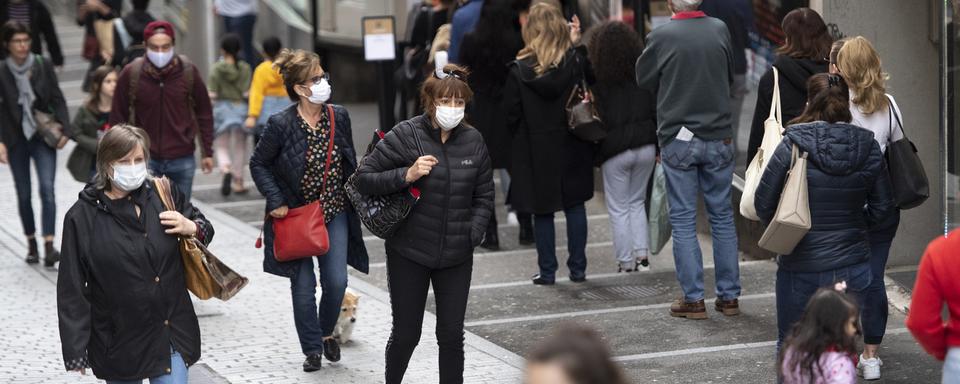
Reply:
x=878, y=122
x=236, y=8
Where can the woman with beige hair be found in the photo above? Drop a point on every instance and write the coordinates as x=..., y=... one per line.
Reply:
x=305, y=155
x=872, y=108
x=551, y=169
x=122, y=299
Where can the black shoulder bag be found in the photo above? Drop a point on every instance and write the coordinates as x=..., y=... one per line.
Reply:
x=382, y=214
x=910, y=184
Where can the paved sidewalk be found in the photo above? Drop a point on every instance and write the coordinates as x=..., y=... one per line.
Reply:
x=250, y=339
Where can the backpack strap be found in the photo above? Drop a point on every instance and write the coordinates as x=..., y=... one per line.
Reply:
x=188, y=79
x=136, y=68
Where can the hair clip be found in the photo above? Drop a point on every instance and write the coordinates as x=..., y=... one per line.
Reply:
x=840, y=286
x=833, y=80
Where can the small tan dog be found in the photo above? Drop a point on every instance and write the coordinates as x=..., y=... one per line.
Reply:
x=348, y=316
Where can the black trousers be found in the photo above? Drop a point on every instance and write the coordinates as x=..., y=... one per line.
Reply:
x=409, y=282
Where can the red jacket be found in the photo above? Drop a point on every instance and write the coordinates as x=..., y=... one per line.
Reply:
x=163, y=109
x=938, y=282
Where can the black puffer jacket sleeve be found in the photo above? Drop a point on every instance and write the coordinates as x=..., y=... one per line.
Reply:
x=262, y=164
x=73, y=305
x=767, y=196
x=384, y=170
x=483, y=195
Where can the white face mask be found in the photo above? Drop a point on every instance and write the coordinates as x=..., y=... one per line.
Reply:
x=320, y=93
x=449, y=117
x=129, y=177
x=160, y=59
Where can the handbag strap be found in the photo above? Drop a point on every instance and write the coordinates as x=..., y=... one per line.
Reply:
x=416, y=138
x=893, y=114
x=333, y=132
x=775, y=108
x=162, y=185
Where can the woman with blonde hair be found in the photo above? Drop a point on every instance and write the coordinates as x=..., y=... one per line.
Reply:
x=872, y=108
x=552, y=170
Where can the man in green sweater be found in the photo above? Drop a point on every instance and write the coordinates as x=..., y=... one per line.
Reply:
x=688, y=64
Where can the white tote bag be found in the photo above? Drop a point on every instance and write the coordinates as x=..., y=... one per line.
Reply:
x=792, y=221
x=772, y=136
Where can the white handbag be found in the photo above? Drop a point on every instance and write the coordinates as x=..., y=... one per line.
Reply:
x=792, y=221
x=772, y=136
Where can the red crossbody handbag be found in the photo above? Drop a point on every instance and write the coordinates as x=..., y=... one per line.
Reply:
x=303, y=232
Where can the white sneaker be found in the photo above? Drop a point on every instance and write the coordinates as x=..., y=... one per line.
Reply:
x=869, y=368
x=512, y=218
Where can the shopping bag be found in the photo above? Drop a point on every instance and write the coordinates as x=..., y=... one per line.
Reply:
x=659, y=218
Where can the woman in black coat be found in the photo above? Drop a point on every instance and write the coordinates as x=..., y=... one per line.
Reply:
x=486, y=51
x=849, y=191
x=552, y=170
x=28, y=82
x=122, y=299
x=434, y=245
x=805, y=52
x=289, y=168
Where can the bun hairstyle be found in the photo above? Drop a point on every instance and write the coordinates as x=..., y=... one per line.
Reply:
x=296, y=67
x=828, y=99
x=859, y=63
x=230, y=44
x=451, y=82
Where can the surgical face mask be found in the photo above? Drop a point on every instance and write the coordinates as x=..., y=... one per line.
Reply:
x=160, y=59
x=129, y=177
x=320, y=93
x=449, y=117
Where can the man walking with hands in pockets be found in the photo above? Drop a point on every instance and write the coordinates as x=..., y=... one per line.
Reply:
x=695, y=135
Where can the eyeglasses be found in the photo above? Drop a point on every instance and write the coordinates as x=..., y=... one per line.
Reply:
x=316, y=79
x=26, y=41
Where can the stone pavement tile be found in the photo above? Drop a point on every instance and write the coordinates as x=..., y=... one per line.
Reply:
x=249, y=339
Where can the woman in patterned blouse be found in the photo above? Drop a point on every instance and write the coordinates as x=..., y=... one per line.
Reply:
x=290, y=169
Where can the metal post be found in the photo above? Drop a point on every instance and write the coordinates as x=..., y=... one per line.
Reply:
x=315, y=25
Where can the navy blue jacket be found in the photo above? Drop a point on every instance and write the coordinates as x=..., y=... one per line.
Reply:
x=278, y=165
x=849, y=191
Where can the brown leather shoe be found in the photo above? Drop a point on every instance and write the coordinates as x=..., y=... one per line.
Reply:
x=681, y=308
x=728, y=307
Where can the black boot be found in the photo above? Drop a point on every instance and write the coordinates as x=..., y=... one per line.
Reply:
x=491, y=240
x=331, y=349
x=33, y=254
x=226, y=186
x=51, y=256
x=526, y=228
x=313, y=363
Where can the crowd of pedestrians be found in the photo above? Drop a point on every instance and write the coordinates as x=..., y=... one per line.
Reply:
x=493, y=80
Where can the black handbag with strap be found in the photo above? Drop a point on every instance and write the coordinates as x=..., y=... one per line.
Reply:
x=910, y=184
x=382, y=214
x=582, y=117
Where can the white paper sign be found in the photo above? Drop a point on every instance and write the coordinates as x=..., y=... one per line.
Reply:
x=378, y=47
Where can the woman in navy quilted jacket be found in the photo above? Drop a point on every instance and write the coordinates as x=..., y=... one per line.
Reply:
x=289, y=168
x=849, y=190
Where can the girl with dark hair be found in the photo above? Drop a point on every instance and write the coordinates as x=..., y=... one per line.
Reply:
x=573, y=355
x=229, y=83
x=848, y=192
x=629, y=151
x=486, y=51
x=28, y=82
x=91, y=123
x=805, y=51
x=440, y=155
x=822, y=346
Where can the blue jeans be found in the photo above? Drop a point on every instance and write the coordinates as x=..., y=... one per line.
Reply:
x=794, y=290
x=177, y=375
x=45, y=159
x=313, y=326
x=876, y=309
x=180, y=171
x=243, y=27
x=951, y=367
x=692, y=167
x=576, y=242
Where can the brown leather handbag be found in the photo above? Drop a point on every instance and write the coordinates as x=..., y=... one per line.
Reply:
x=206, y=276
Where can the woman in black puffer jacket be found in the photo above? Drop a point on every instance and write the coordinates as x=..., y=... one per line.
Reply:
x=849, y=190
x=435, y=243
